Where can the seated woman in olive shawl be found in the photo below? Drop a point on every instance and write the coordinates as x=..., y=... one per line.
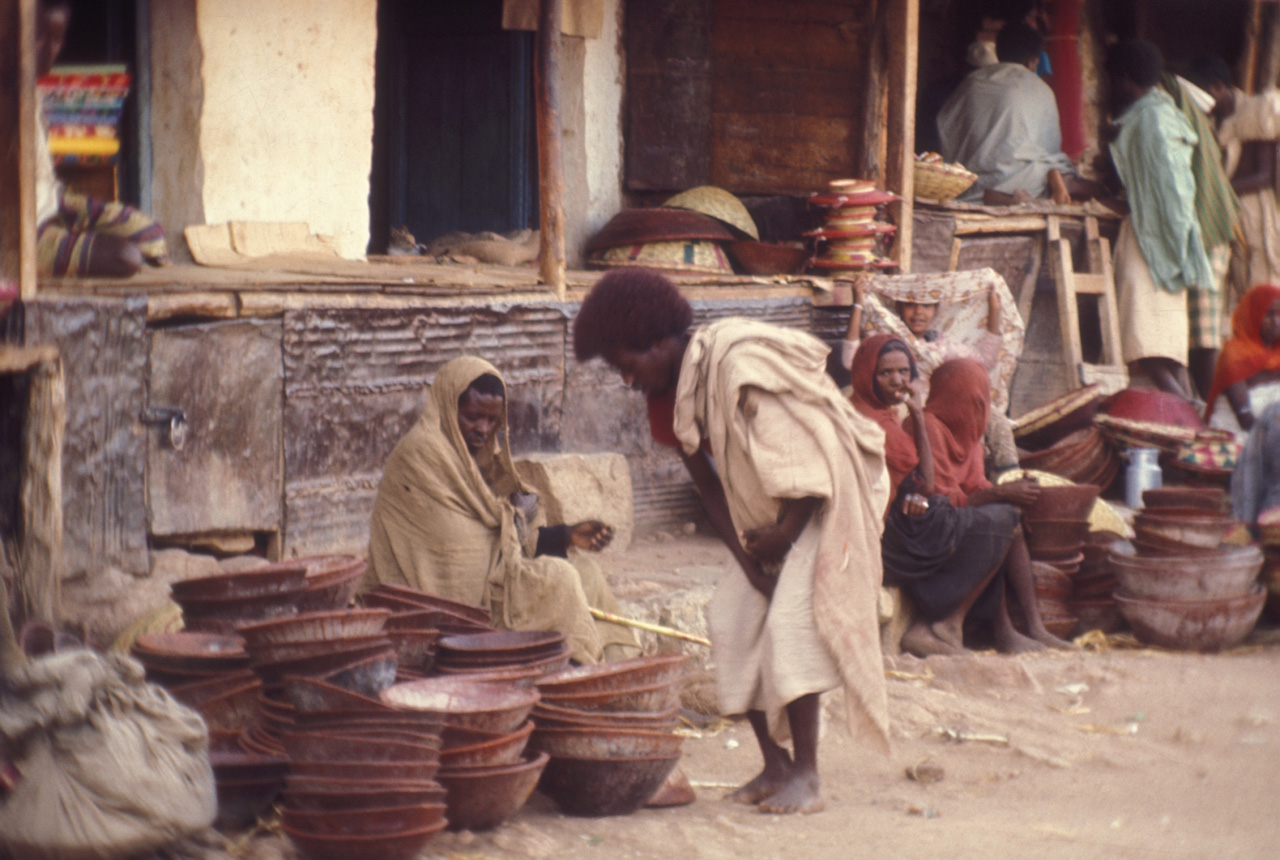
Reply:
x=453, y=518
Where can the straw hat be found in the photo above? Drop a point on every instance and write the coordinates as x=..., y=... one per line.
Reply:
x=719, y=204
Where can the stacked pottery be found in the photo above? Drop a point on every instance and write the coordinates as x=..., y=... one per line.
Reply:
x=361, y=778
x=1094, y=584
x=502, y=650
x=1057, y=527
x=331, y=581
x=849, y=233
x=417, y=622
x=1181, y=587
x=1084, y=456
x=217, y=604
x=485, y=771
x=609, y=731
x=1269, y=525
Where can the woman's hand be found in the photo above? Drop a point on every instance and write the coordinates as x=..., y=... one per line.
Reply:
x=768, y=544
x=591, y=535
x=993, y=311
x=1021, y=492
x=760, y=581
x=859, y=291
x=914, y=504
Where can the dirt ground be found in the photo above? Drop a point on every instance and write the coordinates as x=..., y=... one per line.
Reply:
x=1115, y=753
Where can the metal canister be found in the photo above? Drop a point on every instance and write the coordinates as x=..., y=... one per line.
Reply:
x=1142, y=474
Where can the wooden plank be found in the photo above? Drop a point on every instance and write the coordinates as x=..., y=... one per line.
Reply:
x=900, y=128
x=40, y=574
x=550, y=156
x=166, y=306
x=1091, y=285
x=1068, y=314
x=968, y=225
x=18, y=132
x=954, y=260
x=1108, y=312
x=20, y=359
x=869, y=159
x=785, y=44
x=785, y=92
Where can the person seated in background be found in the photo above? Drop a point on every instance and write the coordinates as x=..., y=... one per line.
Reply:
x=453, y=518
x=1255, y=483
x=951, y=539
x=1247, y=377
x=78, y=235
x=1002, y=124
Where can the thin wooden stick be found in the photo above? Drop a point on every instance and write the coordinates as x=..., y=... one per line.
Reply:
x=652, y=628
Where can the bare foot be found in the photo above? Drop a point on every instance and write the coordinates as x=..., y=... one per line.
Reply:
x=1043, y=635
x=1058, y=188
x=800, y=794
x=769, y=782
x=921, y=640
x=1013, y=642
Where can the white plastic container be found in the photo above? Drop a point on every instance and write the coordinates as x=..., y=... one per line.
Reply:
x=1142, y=474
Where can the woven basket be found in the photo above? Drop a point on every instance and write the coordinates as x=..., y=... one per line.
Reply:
x=934, y=183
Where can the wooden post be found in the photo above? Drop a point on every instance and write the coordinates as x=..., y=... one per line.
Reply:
x=904, y=39
x=40, y=554
x=17, y=145
x=869, y=162
x=550, y=158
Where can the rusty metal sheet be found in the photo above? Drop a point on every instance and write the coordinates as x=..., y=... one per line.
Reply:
x=104, y=350
x=226, y=377
x=355, y=380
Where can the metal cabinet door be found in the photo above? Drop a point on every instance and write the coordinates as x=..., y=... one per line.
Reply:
x=226, y=377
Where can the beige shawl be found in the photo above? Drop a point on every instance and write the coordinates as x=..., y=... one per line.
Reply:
x=442, y=523
x=827, y=450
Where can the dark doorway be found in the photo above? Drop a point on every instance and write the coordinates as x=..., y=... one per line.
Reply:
x=453, y=121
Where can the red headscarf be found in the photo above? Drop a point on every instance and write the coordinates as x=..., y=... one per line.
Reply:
x=956, y=419
x=1244, y=353
x=899, y=447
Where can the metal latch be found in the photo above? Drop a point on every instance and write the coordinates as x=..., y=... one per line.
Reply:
x=176, y=419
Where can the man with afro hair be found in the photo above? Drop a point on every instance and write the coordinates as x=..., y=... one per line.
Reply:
x=793, y=480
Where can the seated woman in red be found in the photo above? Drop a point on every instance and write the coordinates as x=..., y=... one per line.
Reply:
x=1247, y=378
x=944, y=557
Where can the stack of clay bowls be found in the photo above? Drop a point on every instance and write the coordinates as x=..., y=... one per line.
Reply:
x=1180, y=587
x=331, y=581
x=849, y=233
x=1269, y=526
x=417, y=622
x=1093, y=586
x=502, y=650
x=1057, y=526
x=218, y=604
x=609, y=731
x=485, y=770
x=361, y=779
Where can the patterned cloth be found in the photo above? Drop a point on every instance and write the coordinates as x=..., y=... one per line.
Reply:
x=1002, y=124
x=1153, y=154
x=65, y=241
x=1217, y=208
x=1204, y=318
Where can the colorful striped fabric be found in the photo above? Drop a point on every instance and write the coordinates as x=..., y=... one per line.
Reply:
x=1217, y=208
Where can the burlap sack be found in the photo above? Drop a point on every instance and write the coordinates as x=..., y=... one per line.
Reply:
x=109, y=765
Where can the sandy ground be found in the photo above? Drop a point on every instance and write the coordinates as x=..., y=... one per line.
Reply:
x=1115, y=753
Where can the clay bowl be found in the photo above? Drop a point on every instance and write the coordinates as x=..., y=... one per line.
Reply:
x=1098, y=588
x=523, y=676
x=223, y=705
x=259, y=742
x=364, y=822
x=469, y=704
x=321, y=665
x=1231, y=572
x=554, y=716
x=1063, y=503
x=1062, y=626
x=414, y=648
x=227, y=615
x=259, y=582
x=768, y=258
x=328, y=568
x=607, y=677
x=502, y=645
x=353, y=798
x=384, y=771
x=246, y=767
x=1101, y=615
x=422, y=723
x=422, y=600
x=1181, y=526
x=326, y=746
x=312, y=626
x=331, y=590
x=1046, y=575
x=1066, y=566
x=545, y=665
x=241, y=802
x=1056, y=538
x=187, y=650
x=294, y=782
x=312, y=694
x=655, y=697
x=610, y=786
x=367, y=676
x=1195, y=625
x=305, y=648
x=657, y=224
x=601, y=742
x=1211, y=499
x=387, y=846
x=1045, y=425
x=502, y=749
x=480, y=798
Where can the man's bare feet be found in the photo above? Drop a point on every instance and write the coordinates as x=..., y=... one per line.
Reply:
x=1012, y=642
x=924, y=640
x=800, y=794
x=1058, y=188
x=1043, y=635
x=769, y=782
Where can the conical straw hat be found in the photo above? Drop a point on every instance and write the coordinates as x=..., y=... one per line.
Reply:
x=719, y=204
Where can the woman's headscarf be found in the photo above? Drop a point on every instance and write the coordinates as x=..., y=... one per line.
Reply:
x=956, y=419
x=1244, y=354
x=899, y=448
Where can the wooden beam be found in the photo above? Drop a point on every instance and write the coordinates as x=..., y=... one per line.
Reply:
x=18, y=145
x=21, y=359
x=550, y=158
x=868, y=160
x=900, y=130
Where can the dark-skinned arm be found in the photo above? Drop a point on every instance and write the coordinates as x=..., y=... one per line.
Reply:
x=1021, y=493
x=770, y=544
x=1238, y=397
x=1260, y=174
x=923, y=450
x=714, y=503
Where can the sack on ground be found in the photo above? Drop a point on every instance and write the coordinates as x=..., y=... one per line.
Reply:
x=109, y=765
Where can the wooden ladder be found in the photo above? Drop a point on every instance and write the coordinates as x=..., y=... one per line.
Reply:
x=1099, y=281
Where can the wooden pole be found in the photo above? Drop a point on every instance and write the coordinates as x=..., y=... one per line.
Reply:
x=550, y=158
x=869, y=162
x=17, y=145
x=904, y=40
x=648, y=626
x=40, y=554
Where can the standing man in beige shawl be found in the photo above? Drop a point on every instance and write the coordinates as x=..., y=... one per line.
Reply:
x=793, y=479
x=452, y=518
